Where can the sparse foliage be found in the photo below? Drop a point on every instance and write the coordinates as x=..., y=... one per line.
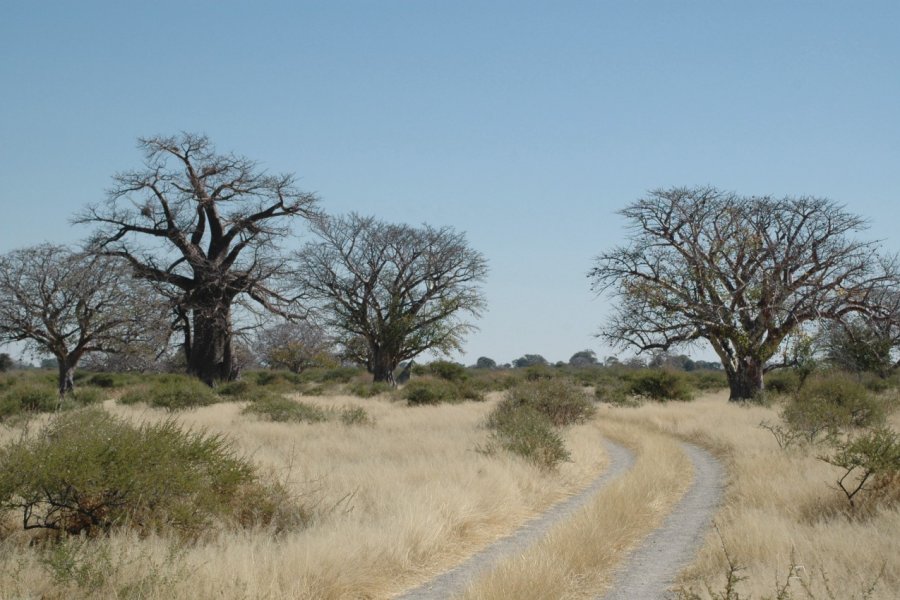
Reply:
x=295, y=346
x=203, y=227
x=742, y=273
x=69, y=304
x=393, y=291
x=864, y=458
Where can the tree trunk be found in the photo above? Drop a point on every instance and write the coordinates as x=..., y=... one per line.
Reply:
x=66, y=379
x=383, y=365
x=746, y=382
x=210, y=356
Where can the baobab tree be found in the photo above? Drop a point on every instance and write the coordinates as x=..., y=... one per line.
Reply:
x=203, y=227
x=742, y=273
x=392, y=291
x=69, y=304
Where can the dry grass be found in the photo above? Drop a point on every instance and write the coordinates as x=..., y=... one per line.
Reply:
x=577, y=559
x=393, y=504
x=777, y=505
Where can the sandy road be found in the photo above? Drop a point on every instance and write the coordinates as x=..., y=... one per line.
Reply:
x=455, y=581
x=650, y=570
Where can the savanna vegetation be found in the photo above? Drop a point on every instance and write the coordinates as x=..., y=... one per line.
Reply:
x=225, y=420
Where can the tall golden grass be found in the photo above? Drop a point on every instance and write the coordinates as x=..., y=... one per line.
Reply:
x=779, y=506
x=393, y=504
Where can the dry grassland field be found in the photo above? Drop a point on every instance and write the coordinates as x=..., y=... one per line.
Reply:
x=391, y=503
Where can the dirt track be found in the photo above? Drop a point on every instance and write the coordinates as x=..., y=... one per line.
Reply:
x=455, y=581
x=648, y=572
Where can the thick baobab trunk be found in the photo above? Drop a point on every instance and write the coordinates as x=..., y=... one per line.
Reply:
x=746, y=382
x=209, y=355
x=383, y=365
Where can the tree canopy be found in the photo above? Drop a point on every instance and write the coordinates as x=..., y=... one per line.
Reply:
x=68, y=304
x=205, y=228
x=739, y=272
x=392, y=291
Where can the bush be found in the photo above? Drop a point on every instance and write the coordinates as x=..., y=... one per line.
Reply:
x=338, y=375
x=368, y=389
x=241, y=389
x=277, y=408
x=427, y=390
x=706, y=379
x=528, y=433
x=355, y=415
x=28, y=396
x=616, y=392
x=561, y=401
x=782, y=382
x=871, y=458
x=827, y=404
x=88, y=472
x=172, y=392
x=106, y=380
x=660, y=385
x=445, y=369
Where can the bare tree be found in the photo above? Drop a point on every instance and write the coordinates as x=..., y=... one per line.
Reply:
x=295, y=346
x=402, y=289
x=741, y=273
x=204, y=227
x=69, y=304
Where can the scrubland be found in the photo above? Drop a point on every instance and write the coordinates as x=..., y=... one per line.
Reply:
x=392, y=503
x=393, y=499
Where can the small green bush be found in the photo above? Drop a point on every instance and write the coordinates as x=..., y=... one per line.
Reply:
x=368, y=389
x=428, y=390
x=445, y=369
x=106, y=380
x=31, y=396
x=524, y=431
x=661, y=385
x=339, y=375
x=355, y=415
x=871, y=458
x=172, y=392
x=707, y=380
x=241, y=389
x=280, y=409
x=87, y=395
x=561, y=401
x=782, y=382
x=830, y=403
x=616, y=392
x=88, y=472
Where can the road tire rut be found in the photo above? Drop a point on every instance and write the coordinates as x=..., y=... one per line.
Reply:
x=455, y=580
x=650, y=570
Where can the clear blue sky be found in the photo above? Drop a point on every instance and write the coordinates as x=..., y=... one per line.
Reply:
x=525, y=124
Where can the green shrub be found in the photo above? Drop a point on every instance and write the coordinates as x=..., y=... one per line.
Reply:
x=537, y=372
x=445, y=369
x=106, y=380
x=706, y=379
x=560, y=400
x=782, y=382
x=868, y=461
x=616, y=392
x=355, y=415
x=241, y=389
x=87, y=395
x=429, y=391
x=368, y=389
x=31, y=396
x=660, y=385
x=830, y=403
x=524, y=431
x=88, y=471
x=277, y=408
x=172, y=392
